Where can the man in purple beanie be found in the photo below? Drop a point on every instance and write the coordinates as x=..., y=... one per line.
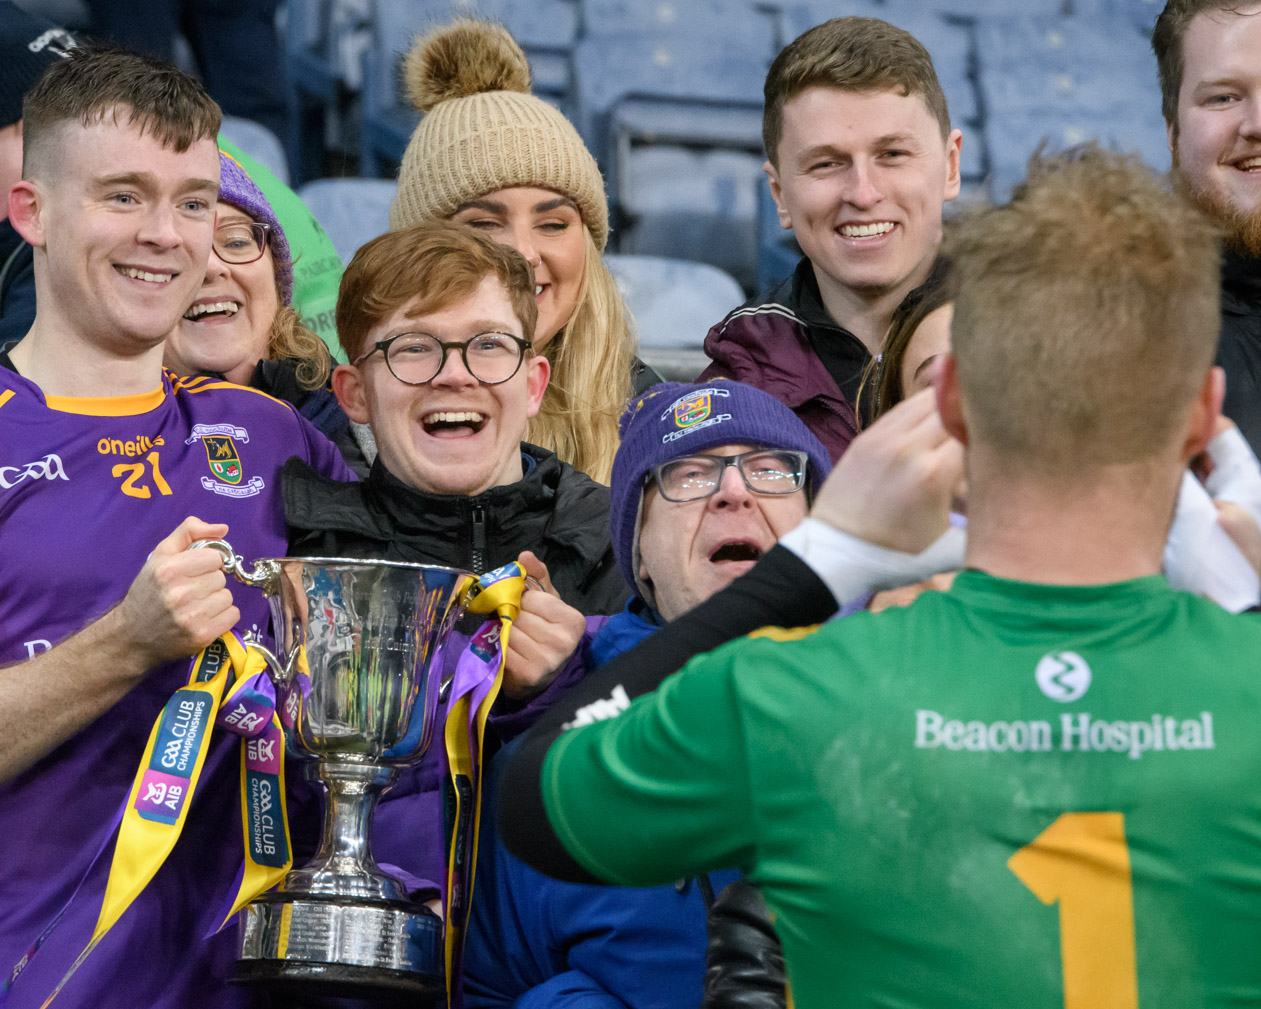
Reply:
x=708, y=477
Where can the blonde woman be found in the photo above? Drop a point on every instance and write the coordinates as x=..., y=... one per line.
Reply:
x=491, y=156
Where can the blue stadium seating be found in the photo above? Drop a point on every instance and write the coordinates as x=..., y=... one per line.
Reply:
x=1140, y=14
x=351, y=211
x=667, y=94
x=674, y=303
x=546, y=30
x=259, y=143
x=1065, y=81
x=313, y=83
x=690, y=81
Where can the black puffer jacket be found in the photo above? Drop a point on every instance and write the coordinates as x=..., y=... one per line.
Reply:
x=1239, y=351
x=560, y=514
x=744, y=962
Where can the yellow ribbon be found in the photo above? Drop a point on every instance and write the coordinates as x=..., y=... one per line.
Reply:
x=170, y=769
x=500, y=593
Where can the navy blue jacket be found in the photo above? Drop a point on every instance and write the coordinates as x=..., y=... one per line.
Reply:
x=17, y=286
x=536, y=943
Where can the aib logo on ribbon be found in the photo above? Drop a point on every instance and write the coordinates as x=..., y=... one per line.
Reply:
x=1063, y=676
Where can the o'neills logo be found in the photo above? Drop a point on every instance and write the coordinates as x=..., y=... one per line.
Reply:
x=47, y=468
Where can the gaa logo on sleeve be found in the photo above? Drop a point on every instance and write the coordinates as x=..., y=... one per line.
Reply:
x=1063, y=676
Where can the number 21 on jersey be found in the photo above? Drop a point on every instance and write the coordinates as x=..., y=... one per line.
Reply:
x=1082, y=862
x=135, y=483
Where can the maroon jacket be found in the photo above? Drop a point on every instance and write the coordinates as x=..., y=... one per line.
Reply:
x=771, y=345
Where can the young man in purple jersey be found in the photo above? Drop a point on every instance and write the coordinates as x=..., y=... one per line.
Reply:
x=109, y=469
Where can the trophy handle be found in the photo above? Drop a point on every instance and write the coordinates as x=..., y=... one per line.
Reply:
x=281, y=674
x=262, y=576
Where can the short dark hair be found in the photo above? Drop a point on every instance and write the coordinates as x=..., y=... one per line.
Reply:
x=95, y=80
x=1167, y=38
x=850, y=54
x=435, y=264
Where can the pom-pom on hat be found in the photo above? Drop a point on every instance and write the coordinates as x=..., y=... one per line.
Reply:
x=238, y=189
x=672, y=420
x=484, y=131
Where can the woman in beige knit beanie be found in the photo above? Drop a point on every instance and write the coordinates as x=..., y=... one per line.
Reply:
x=490, y=155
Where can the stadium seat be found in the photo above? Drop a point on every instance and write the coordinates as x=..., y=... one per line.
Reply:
x=674, y=304
x=1140, y=14
x=546, y=30
x=315, y=76
x=1065, y=81
x=259, y=143
x=351, y=211
x=693, y=204
x=680, y=77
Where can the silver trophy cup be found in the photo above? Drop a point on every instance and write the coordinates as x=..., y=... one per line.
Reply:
x=370, y=630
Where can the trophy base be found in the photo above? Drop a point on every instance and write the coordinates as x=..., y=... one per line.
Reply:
x=341, y=946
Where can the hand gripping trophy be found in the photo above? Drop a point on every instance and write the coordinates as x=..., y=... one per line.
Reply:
x=352, y=690
x=356, y=679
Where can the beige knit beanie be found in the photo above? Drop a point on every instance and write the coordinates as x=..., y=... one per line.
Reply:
x=483, y=130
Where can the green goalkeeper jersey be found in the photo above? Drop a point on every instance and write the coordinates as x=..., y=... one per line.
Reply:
x=1008, y=795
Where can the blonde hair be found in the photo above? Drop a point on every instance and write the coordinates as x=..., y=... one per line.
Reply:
x=591, y=383
x=288, y=338
x=1086, y=316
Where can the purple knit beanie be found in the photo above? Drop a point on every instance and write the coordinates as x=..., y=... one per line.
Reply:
x=237, y=188
x=671, y=420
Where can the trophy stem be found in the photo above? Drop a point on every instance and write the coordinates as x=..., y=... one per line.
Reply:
x=344, y=865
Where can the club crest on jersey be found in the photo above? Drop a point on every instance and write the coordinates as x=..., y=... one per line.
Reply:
x=224, y=460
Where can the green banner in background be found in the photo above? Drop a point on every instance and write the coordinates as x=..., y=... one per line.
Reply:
x=317, y=271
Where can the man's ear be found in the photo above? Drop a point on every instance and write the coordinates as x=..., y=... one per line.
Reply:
x=1205, y=410
x=954, y=149
x=349, y=389
x=538, y=371
x=25, y=204
x=777, y=194
x=949, y=405
x=1171, y=136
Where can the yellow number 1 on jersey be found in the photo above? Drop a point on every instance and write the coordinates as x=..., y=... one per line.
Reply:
x=1082, y=860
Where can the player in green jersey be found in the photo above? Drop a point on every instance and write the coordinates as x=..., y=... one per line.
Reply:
x=1034, y=790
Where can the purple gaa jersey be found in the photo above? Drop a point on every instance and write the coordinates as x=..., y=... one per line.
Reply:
x=88, y=487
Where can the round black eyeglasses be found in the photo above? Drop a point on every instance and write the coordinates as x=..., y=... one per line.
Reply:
x=418, y=358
